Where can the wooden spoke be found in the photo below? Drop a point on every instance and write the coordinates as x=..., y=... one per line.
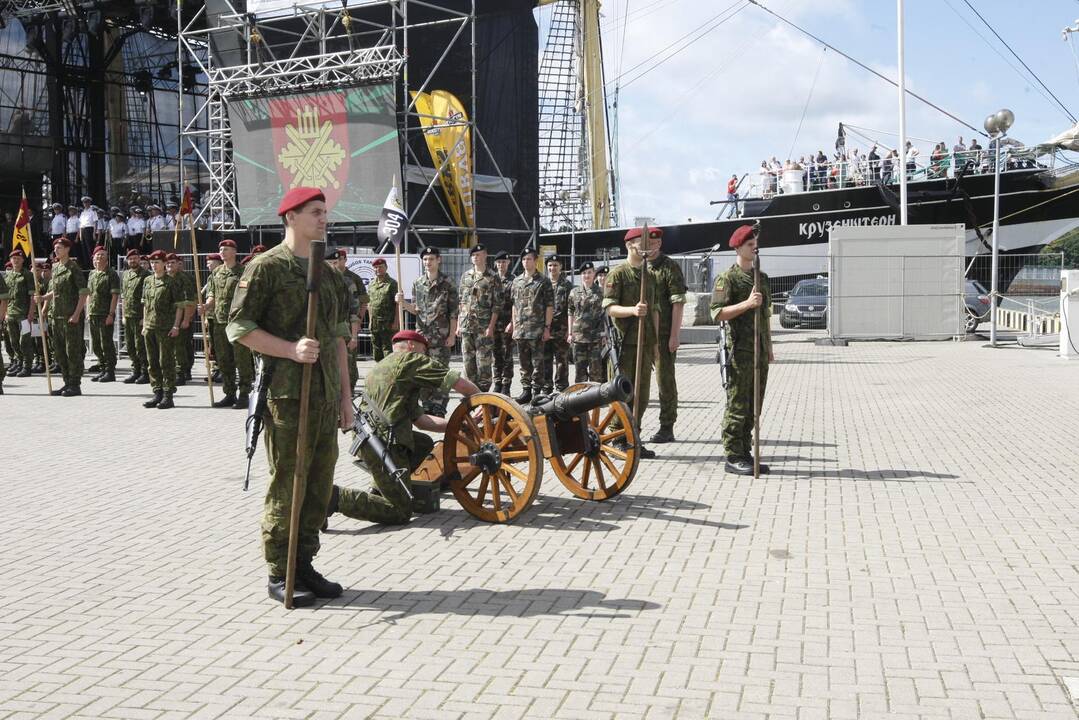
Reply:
x=471, y=424
x=613, y=469
x=599, y=475
x=610, y=465
x=486, y=414
x=515, y=455
x=496, y=498
x=608, y=450
x=468, y=442
x=507, y=484
x=461, y=459
x=514, y=434
x=593, y=417
x=576, y=462
x=606, y=421
x=587, y=472
x=482, y=492
x=500, y=426
x=512, y=469
x=607, y=437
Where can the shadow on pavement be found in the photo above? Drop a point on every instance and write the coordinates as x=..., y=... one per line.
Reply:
x=903, y=475
x=477, y=601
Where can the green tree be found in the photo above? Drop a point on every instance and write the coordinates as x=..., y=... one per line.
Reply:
x=1067, y=244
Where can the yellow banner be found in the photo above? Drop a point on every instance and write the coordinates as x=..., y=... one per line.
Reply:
x=457, y=140
x=21, y=238
x=433, y=134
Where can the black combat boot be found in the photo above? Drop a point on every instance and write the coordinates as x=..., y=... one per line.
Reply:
x=143, y=379
x=226, y=402
x=216, y=377
x=72, y=391
x=524, y=397
x=335, y=501
x=738, y=465
x=108, y=376
x=180, y=380
x=166, y=402
x=301, y=597
x=98, y=377
x=25, y=372
x=312, y=580
x=132, y=378
x=665, y=434
x=58, y=391
x=152, y=402
x=38, y=368
x=96, y=367
x=763, y=467
x=241, y=401
x=644, y=452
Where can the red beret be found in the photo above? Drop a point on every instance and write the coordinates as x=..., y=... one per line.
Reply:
x=99, y=249
x=17, y=252
x=131, y=252
x=215, y=256
x=341, y=253
x=172, y=256
x=378, y=261
x=409, y=335
x=227, y=243
x=61, y=241
x=258, y=249
x=297, y=196
x=157, y=255
x=742, y=234
x=7, y=265
x=634, y=233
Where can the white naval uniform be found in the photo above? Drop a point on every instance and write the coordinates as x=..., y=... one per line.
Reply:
x=58, y=225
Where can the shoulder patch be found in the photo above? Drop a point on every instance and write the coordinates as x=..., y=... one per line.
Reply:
x=243, y=284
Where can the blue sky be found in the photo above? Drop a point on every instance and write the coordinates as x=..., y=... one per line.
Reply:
x=735, y=97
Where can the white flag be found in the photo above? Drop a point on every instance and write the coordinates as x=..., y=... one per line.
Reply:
x=393, y=224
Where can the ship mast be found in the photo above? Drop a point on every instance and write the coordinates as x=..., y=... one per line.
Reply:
x=575, y=172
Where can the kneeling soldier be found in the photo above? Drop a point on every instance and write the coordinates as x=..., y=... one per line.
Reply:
x=393, y=398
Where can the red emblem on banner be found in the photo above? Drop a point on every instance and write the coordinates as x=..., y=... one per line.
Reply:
x=311, y=148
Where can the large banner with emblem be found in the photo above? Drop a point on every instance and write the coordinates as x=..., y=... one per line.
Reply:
x=344, y=142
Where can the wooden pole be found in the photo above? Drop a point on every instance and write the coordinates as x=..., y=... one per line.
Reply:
x=638, y=410
x=41, y=319
x=756, y=369
x=199, y=298
x=400, y=287
x=299, y=476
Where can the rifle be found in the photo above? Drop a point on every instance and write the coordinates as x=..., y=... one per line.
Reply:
x=256, y=407
x=610, y=352
x=366, y=435
x=723, y=356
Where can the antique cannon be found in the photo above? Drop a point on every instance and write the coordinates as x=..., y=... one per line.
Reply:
x=493, y=452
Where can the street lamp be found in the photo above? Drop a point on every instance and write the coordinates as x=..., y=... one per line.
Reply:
x=997, y=126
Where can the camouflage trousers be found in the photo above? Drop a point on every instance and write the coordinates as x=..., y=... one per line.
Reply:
x=185, y=349
x=627, y=367
x=503, y=358
x=233, y=359
x=438, y=351
x=738, y=418
x=668, y=388
x=478, y=352
x=530, y=356
x=9, y=346
x=70, y=349
x=161, y=359
x=556, y=363
x=282, y=427
x=381, y=343
x=101, y=342
x=588, y=362
x=22, y=349
x=394, y=507
x=135, y=344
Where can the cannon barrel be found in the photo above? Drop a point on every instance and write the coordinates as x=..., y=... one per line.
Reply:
x=564, y=406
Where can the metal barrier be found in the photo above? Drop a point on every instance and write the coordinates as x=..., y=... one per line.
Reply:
x=1028, y=298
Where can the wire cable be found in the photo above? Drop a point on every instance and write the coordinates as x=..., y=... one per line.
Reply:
x=805, y=108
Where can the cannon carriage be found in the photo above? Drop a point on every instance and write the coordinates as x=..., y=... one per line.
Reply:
x=494, y=451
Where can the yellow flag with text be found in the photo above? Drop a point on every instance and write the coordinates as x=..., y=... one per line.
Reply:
x=457, y=141
x=21, y=238
x=433, y=134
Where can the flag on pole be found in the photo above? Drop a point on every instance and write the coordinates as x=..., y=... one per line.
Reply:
x=21, y=238
x=393, y=224
x=186, y=205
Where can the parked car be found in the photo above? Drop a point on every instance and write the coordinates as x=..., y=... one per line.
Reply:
x=807, y=305
x=977, y=302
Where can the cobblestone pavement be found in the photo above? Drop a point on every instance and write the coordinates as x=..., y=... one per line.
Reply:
x=914, y=554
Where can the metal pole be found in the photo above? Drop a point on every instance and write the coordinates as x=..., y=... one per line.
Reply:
x=993, y=280
x=572, y=248
x=902, y=118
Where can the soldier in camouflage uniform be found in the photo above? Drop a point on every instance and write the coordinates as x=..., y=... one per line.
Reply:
x=268, y=315
x=233, y=359
x=585, y=332
x=185, y=341
x=131, y=300
x=735, y=302
x=622, y=301
x=66, y=300
x=213, y=262
x=480, y=295
x=671, y=301
x=396, y=386
x=556, y=355
x=357, y=307
x=163, y=307
x=434, y=303
x=382, y=320
x=533, y=312
x=5, y=297
x=21, y=289
x=43, y=270
x=104, y=287
x=503, y=345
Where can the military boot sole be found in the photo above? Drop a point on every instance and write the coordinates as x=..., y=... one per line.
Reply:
x=301, y=597
x=226, y=402
x=737, y=469
x=131, y=380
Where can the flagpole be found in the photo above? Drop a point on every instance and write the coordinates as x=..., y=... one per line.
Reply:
x=198, y=295
x=40, y=306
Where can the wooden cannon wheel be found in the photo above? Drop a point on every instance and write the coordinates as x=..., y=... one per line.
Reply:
x=607, y=471
x=498, y=457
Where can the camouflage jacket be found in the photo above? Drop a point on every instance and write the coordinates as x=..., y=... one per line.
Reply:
x=670, y=290
x=623, y=287
x=382, y=302
x=68, y=282
x=131, y=285
x=731, y=287
x=160, y=298
x=185, y=282
x=480, y=295
x=102, y=284
x=436, y=305
x=505, y=301
x=397, y=386
x=586, y=307
x=272, y=296
x=357, y=294
x=223, y=283
x=531, y=298
x=561, y=291
x=20, y=291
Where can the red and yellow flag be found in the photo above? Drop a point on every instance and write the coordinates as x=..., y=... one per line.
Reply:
x=185, y=206
x=21, y=238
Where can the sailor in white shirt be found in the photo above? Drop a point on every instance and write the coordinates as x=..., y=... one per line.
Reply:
x=117, y=229
x=170, y=215
x=102, y=221
x=87, y=229
x=72, y=224
x=136, y=226
x=157, y=221
x=58, y=226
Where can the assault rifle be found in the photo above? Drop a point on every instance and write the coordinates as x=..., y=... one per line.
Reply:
x=610, y=351
x=723, y=356
x=365, y=435
x=256, y=407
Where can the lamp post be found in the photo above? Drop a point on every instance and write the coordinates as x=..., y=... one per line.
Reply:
x=997, y=126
